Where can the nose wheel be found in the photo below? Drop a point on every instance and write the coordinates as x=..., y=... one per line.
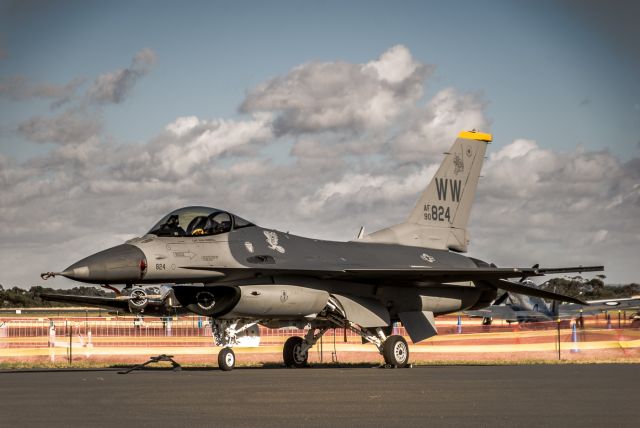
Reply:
x=226, y=333
x=226, y=359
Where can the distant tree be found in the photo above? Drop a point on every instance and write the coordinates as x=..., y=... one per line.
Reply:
x=592, y=289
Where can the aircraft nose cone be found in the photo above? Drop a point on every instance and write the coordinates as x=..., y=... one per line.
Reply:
x=118, y=265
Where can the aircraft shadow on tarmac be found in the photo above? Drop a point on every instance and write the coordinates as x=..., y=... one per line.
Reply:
x=268, y=366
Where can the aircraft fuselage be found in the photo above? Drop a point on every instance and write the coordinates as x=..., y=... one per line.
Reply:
x=255, y=256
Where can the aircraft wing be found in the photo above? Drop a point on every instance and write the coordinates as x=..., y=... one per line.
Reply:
x=118, y=303
x=507, y=314
x=596, y=306
x=575, y=269
x=466, y=274
x=532, y=315
x=442, y=275
x=493, y=275
x=410, y=276
x=612, y=304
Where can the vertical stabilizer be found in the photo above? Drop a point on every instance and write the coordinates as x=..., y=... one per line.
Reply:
x=439, y=219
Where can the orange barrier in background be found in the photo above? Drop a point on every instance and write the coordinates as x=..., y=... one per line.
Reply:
x=189, y=338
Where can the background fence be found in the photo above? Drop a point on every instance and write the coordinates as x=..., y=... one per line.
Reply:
x=605, y=336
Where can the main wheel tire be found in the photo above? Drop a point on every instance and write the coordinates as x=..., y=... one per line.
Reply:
x=226, y=359
x=396, y=351
x=292, y=352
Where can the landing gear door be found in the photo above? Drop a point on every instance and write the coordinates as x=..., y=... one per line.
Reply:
x=419, y=324
x=364, y=312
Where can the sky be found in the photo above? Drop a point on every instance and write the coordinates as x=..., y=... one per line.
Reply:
x=318, y=118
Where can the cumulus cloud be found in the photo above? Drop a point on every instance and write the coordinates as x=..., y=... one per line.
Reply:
x=534, y=205
x=114, y=87
x=366, y=190
x=189, y=142
x=70, y=127
x=19, y=88
x=575, y=207
x=341, y=96
x=82, y=121
x=445, y=115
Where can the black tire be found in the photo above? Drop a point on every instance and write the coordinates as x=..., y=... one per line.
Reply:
x=396, y=351
x=226, y=359
x=291, y=353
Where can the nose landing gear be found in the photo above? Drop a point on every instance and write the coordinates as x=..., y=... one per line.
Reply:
x=226, y=334
x=226, y=359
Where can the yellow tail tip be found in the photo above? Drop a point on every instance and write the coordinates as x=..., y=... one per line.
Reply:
x=475, y=135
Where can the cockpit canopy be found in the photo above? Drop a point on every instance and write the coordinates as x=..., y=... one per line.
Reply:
x=198, y=221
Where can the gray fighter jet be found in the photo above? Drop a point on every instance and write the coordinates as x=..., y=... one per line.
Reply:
x=151, y=300
x=513, y=307
x=240, y=274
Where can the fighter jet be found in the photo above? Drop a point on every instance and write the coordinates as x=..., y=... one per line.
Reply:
x=152, y=301
x=513, y=307
x=240, y=274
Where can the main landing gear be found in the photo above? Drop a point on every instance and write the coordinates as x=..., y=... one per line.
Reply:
x=394, y=348
x=395, y=351
x=295, y=352
x=296, y=349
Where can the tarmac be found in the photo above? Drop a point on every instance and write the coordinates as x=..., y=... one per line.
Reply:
x=565, y=395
